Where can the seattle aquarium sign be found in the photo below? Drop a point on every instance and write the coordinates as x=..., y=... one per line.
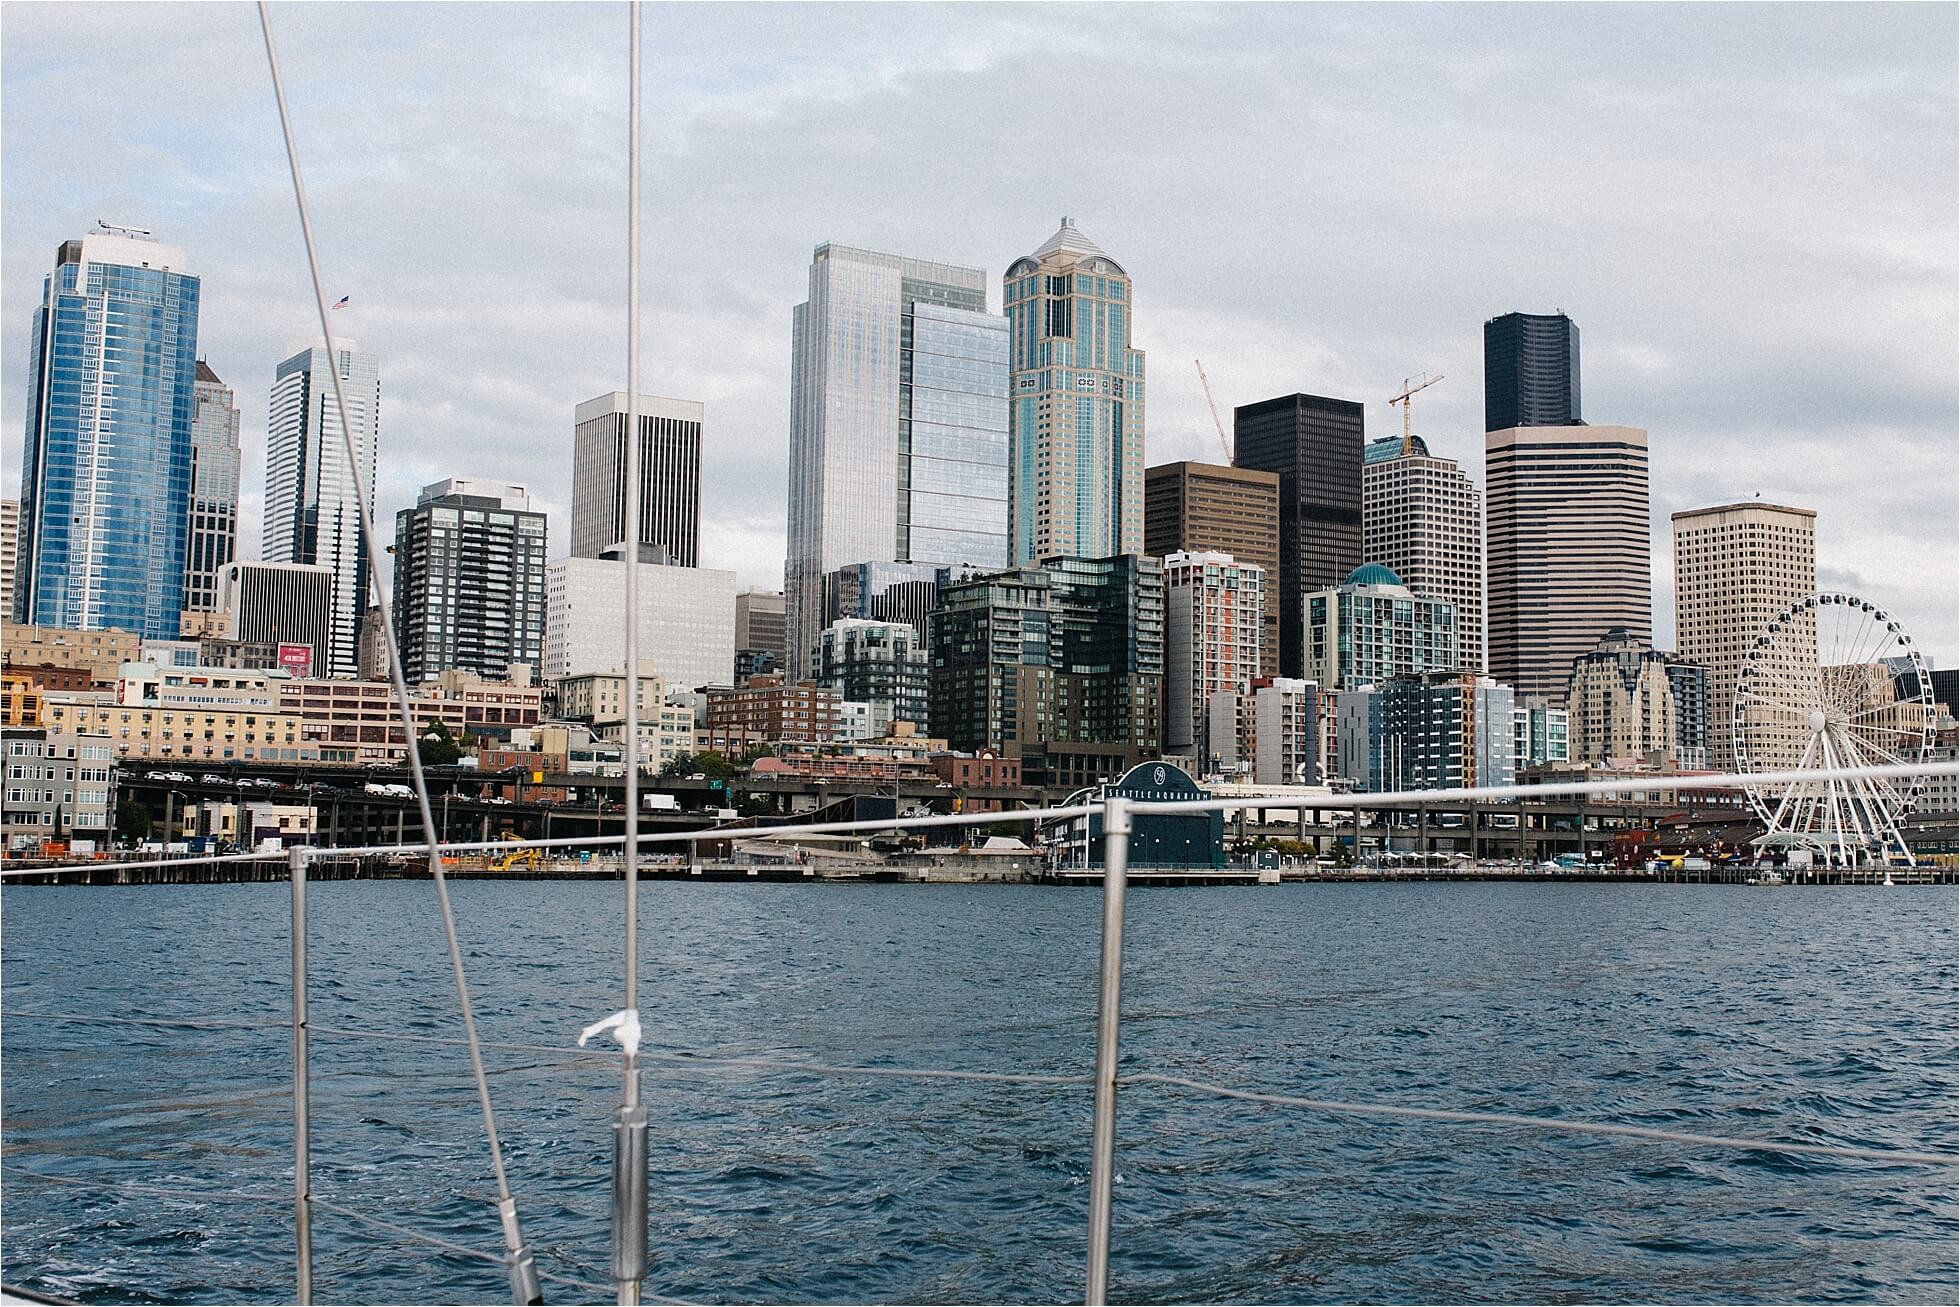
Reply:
x=1184, y=839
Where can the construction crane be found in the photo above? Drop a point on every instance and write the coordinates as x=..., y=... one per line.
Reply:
x=1408, y=432
x=1224, y=442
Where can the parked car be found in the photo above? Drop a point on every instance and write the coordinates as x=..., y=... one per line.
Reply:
x=212, y=778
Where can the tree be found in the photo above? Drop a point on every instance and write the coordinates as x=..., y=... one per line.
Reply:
x=132, y=820
x=437, y=747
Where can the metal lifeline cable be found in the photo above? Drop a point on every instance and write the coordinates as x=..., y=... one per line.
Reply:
x=519, y=1261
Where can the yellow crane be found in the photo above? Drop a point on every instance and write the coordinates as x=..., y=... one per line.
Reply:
x=1224, y=441
x=1408, y=432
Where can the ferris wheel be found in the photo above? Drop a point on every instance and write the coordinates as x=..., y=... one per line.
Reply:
x=1834, y=682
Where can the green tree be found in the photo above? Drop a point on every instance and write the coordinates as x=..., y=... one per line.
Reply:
x=437, y=747
x=132, y=820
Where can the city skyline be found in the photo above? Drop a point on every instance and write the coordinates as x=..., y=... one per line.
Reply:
x=1846, y=329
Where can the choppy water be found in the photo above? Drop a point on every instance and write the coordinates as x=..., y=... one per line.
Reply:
x=1817, y=1015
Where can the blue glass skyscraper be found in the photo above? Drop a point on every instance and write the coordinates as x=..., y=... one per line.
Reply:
x=106, y=469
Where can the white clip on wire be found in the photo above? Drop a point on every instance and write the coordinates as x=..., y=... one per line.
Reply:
x=625, y=1027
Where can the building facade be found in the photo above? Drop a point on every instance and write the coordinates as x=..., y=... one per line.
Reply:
x=281, y=604
x=1693, y=738
x=1423, y=519
x=213, y=516
x=687, y=620
x=772, y=709
x=312, y=488
x=761, y=632
x=1736, y=566
x=1285, y=732
x=100, y=654
x=1531, y=371
x=1621, y=702
x=1372, y=628
x=9, y=555
x=1447, y=731
x=1077, y=414
x=1541, y=733
x=106, y=467
x=1567, y=548
x=598, y=699
x=882, y=665
x=1316, y=446
x=60, y=786
x=469, y=579
x=898, y=424
x=1202, y=508
x=1214, y=620
x=1060, y=666
x=670, y=477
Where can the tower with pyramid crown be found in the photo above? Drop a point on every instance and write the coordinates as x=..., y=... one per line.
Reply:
x=1076, y=403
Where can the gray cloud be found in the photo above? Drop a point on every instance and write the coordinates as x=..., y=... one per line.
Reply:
x=1749, y=210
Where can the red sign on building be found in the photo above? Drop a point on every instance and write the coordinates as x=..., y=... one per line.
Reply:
x=296, y=659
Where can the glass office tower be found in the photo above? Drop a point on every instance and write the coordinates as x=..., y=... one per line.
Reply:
x=312, y=514
x=213, y=539
x=106, y=467
x=1531, y=371
x=898, y=424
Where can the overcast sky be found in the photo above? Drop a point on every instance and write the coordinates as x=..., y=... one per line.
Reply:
x=1750, y=212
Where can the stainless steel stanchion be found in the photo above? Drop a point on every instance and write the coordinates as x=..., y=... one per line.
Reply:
x=1102, y=1167
x=302, y=1096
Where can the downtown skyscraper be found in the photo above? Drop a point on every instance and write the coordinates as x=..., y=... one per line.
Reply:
x=1078, y=403
x=469, y=580
x=312, y=514
x=106, y=467
x=670, y=478
x=213, y=517
x=898, y=425
x=1423, y=519
x=1531, y=371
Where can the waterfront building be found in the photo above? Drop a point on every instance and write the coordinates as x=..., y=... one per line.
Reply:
x=983, y=770
x=61, y=785
x=250, y=824
x=288, y=604
x=106, y=467
x=469, y=579
x=1541, y=733
x=1078, y=403
x=1060, y=666
x=359, y=722
x=1285, y=731
x=1423, y=519
x=1214, y=618
x=774, y=710
x=898, y=425
x=598, y=699
x=670, y=477
x=687, y=620
x=97, y=654
x=1688, y=683
x=1531, y=371
x=213, y=514
x=1315, y=445
x=1449, y=730
x=1203, y=508
x=9, y=555
x=882, y=665
x=312, y=504
x=1621, y=702
x=1567, y=548
x=1736, y=566
x=761, y=632
x=219, y=733
x=1371, y=628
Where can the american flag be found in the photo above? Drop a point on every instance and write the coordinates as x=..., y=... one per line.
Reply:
x=341, y=303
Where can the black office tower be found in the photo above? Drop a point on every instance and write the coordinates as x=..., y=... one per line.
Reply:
x=1315, y=444
x=1531, y=371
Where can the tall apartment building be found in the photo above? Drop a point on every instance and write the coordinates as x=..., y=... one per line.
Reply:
x=1531, y=371
x=213, y=517
x=1567, y=548
x=1372, y=628
x=670, y=477
x=1541, y=733
x=1214, y=615
x=288, y=604
x=1736, y=566
x=1423, y=519
x=1688, y=683
x=879, y=664
x=1203, y=508
x=898, y=424
x=687, y=620
x=312, y=489
x=1621, y=702
x=105, y=482
x=1443, y=731
x=469, y=579
x=9, y=554
x=1316, y=446
x=1285, y=732
x=1060, y=666
x=1078, y=403
x=761, y=626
